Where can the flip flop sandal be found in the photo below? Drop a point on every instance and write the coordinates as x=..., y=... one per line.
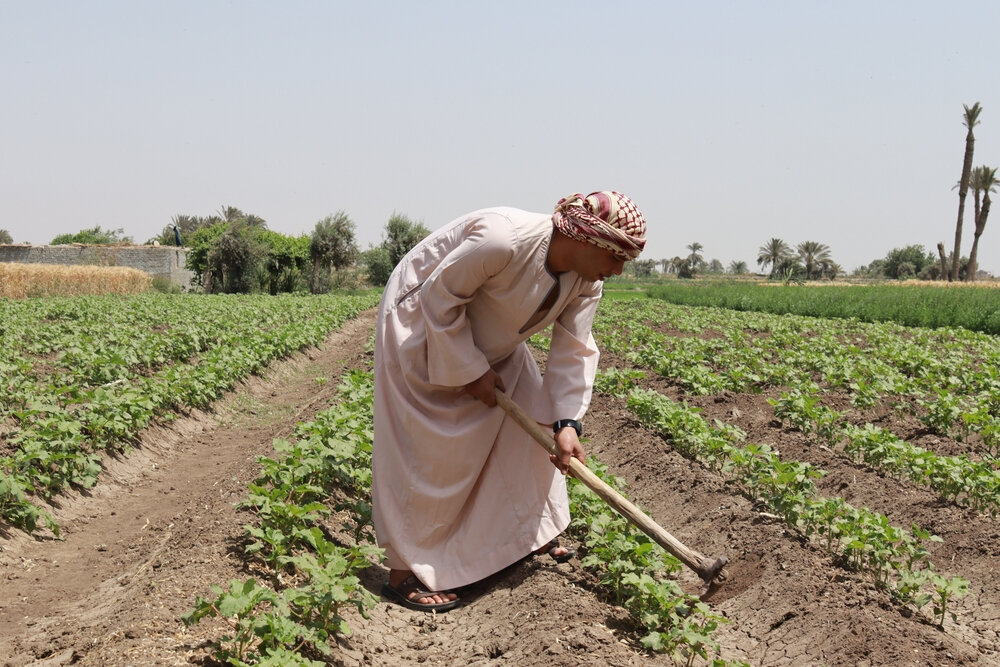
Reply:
x=411, y=585
x=551, y=548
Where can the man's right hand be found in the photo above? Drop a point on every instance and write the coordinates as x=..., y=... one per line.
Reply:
x=483, y=388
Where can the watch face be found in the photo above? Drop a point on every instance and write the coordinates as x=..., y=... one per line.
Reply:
x=562, y=423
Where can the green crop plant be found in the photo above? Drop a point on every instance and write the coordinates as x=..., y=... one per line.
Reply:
x=639, y=575
x=291, y=500
x=862, y=540
x=617, y=382
x=80, y=376
x=802, y=408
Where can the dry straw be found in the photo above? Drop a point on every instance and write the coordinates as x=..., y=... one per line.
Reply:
x=19, y=281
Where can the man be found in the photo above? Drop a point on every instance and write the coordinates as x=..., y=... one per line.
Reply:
x=460, y=491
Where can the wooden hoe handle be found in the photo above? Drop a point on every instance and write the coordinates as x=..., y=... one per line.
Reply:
x=707, y=568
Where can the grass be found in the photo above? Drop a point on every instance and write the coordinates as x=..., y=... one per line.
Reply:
x=967, y=307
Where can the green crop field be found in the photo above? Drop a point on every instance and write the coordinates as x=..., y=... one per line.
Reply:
x=87, y=374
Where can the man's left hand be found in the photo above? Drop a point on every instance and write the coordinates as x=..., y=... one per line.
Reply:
x=569, y=447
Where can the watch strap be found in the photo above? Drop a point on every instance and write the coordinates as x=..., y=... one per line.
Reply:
x=560, y=424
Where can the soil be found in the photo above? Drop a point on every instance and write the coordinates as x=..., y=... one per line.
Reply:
x=161, y=529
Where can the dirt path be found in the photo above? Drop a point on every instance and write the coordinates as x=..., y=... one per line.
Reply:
x=161, y=529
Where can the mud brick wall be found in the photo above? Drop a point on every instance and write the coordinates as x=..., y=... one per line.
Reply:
x=158, y=261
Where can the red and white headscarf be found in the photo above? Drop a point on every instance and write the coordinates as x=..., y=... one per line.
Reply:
x=607, y=219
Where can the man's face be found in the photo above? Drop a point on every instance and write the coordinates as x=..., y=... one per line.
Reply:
x=594, y=263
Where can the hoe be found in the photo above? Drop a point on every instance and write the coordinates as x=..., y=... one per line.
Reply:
x=709, y=569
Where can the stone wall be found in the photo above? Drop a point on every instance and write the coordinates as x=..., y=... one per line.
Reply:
x=158, y=261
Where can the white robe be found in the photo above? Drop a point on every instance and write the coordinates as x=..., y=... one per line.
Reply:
x=460, y=491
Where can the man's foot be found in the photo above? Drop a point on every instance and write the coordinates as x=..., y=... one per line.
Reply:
x=560, y=554
x=404, y=587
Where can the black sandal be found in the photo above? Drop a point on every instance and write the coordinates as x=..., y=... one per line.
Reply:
x=413, y=586
x=550, y=549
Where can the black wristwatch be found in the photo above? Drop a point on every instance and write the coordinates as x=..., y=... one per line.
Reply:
x=562, y=423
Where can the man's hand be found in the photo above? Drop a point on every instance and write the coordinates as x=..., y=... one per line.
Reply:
x=482, y=389
x=569, y=447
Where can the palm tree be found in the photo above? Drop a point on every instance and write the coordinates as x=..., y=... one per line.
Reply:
x=695, y=256
x=812, y=253
x=829, y=269
x=983, y=180
x=738, y=268
x=771, y=254
x=970, y=121
x=944, y=260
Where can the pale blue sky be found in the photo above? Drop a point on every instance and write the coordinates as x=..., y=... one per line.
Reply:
x=727, y=122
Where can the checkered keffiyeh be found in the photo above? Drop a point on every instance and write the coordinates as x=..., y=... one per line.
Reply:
x=607, y=219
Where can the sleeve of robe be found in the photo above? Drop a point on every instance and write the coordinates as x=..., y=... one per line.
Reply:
x=573, y=357
x=453, y=360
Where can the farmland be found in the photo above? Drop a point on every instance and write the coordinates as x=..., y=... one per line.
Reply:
x=846, y=469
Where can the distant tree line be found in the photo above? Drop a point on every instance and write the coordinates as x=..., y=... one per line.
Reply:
x=93, y=236
x=235, y=252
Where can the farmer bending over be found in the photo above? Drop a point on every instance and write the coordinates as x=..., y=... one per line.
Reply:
x=460, y=491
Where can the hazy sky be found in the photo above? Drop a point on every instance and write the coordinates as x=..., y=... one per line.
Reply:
x=728, y=123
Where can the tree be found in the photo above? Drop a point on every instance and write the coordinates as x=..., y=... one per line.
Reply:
x=738, y=268
x=715, y=266
x=183, y=226
x=675, y=264
x=970, y=120
x=813, y=254
x=5, y=237
x=874, y=270
x=687, y=268
x=239, y=254
x=332, y=246
x=788, y=269
x=233, y=214
x=983, y=181
x=285, y=261
x=931, y=272
x=829, y=269
x=944, y=260
x=641, y=268
x=401, y=234
x=93, y=236
x=772, y=253
x=914, y=255
x=695, y=258
x=235, y=260
x=378, y=265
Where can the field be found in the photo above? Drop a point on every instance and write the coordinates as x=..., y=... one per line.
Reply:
x=847, y=470
x=18, y=281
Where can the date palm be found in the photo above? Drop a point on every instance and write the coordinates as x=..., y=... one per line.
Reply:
x=812, y=254
x=738, y=268
x=695, y=256
x=970, y=120
x=772, y=253
x=829, y=269
x=983, y=181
